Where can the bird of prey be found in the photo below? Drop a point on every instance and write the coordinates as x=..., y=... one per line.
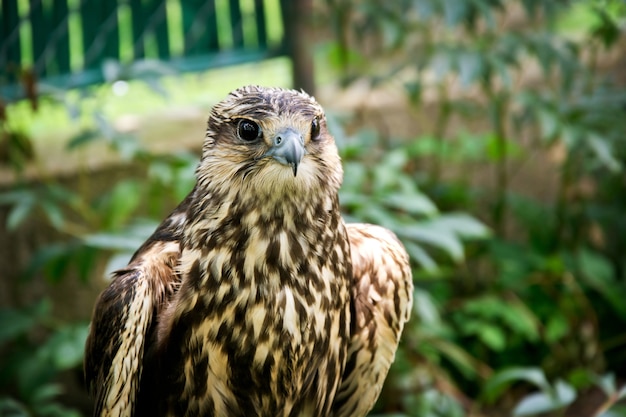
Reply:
x=253, y=297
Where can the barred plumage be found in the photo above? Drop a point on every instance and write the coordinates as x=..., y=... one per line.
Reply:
x=253, y=297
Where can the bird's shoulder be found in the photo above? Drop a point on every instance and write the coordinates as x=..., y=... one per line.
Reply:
x=382, y=289
x=381, y=274
x=123, y=319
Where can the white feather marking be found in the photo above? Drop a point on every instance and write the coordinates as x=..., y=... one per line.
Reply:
x=261, y=353
x=257, y=312
x=218, y=369
x=290, y=317
x=285, y=255
x=255, y=254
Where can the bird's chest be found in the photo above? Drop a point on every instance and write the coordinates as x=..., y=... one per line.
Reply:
x=270, y=339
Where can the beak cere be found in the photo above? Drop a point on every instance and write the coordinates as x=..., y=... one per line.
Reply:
x=287, y=148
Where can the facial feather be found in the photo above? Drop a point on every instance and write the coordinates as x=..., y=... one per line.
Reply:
x=230, y=163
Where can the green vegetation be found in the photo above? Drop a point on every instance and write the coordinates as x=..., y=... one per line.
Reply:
x=533, y=315
x=519, y=294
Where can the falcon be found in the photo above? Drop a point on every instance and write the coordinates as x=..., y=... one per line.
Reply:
x=253, y=297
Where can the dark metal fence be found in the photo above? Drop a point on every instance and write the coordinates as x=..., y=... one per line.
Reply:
x=64, y=43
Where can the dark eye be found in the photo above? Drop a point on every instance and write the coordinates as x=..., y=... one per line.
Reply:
x=315, y=129
x=248, y=130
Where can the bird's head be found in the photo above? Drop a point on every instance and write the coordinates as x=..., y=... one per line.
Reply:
x=271, y=142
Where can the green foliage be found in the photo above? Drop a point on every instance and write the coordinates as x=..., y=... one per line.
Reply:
x=520, y=310
x=550, y=397
x=542, y=295
x=35, y=349
x=379, y=189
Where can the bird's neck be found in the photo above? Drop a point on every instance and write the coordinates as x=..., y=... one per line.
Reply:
x=267, y=238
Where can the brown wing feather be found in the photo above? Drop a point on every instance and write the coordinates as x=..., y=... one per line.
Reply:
x=123, y=321
x=382, y=300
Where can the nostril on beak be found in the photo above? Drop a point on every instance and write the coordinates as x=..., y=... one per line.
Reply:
x=287, y=148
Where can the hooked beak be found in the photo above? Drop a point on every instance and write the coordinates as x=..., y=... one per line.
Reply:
x=287, y=148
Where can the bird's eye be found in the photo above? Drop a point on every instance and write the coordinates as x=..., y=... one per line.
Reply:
x=248, y=130
x=315, y=128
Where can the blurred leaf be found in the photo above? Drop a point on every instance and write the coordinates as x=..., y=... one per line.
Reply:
x=556, y=328
x=617, y=410
x=424, y=307
x=606, y=29
x=487, y=9
x=66, y=346
x=15, y=322
x=113, y=241
x=455, y=11
x=385, y=174
x=355, y=176
x=105, y=128
x=49, y=256
x=85, y=137
x=33, y=374
x=161, y=171
x=46, y=392
x=353, y=200
x=508, y=312
x=471, y=67
x=414, y=91
x=596, y=269
x=604, y=152
x=20, y=212
x=461, y=224
x=126, y=145
x=521, y=319
x=445, y=232
x=117, y=261
x=425, y=9
x=9, y=407
x=597, y=272
x=502, y=379
x=503, y=70
x=128, y=239
x=549, y=123
x=492, y=336
x=86, y=262
x=608, y=384
x=541, y=402
x=465, y=363
x=62, y=350
x=442, y=63
x=424, y=146
x=54, y=213
x=572, y=136
x=433, y=236
x=123, y=200
x=392, y=33
x=435, y=403
x=58, y=266
x=416, y=204
x=418, y=254
x=342, y=58
x=544, y=51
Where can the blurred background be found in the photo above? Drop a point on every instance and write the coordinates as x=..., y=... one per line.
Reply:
x=490, y=135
